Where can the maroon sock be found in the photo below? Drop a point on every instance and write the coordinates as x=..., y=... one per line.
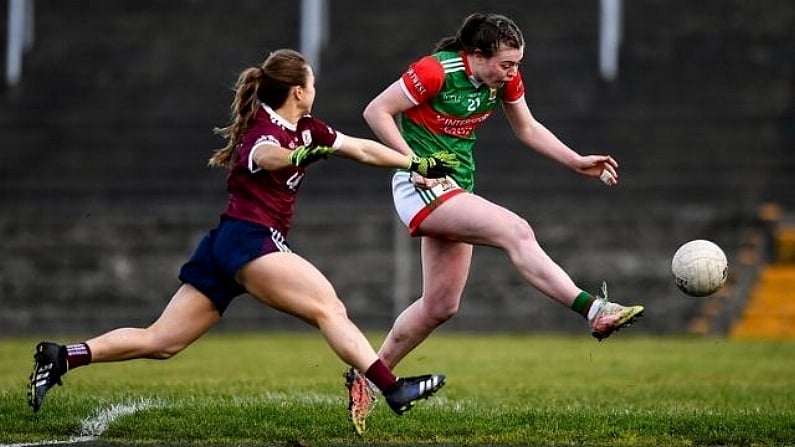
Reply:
x=77, y=355
x=380, y=375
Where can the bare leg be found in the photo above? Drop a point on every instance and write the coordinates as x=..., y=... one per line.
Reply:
x=189, y=315
x=289, y=283
x=443, y=284
x=473, y=219
x=470, y=219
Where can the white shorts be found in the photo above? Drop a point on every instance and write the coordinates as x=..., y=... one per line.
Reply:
x=415, y=204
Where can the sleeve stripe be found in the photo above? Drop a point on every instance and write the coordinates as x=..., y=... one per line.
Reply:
x=520, y=98
x=407, y=92
x=338, y=141
x=261, y=141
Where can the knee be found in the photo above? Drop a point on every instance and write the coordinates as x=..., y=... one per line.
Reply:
x=164, y=349
x=522, y=230
x=331, y=311
x=439, y=311
x=520, y=238
x=166, y=353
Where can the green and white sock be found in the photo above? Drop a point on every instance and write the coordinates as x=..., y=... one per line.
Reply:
x=586, y=305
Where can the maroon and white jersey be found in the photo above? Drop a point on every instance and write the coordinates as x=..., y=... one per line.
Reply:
x=268, y=197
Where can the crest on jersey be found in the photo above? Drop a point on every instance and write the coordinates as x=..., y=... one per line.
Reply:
x=451, y=97
x=306, y=137
x=492, y=93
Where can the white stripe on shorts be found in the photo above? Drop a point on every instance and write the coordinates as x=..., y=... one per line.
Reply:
x=279, y=241
x=410, y=200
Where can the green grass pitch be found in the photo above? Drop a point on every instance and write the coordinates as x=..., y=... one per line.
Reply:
x=286, y=389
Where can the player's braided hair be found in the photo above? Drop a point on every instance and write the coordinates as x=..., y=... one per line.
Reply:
x=270, y=84
x=484, y=32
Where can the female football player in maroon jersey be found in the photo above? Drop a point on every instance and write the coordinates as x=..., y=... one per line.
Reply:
x=439, y=102
x=270, y=140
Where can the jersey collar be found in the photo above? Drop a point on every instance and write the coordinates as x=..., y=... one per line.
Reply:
x=276, y=118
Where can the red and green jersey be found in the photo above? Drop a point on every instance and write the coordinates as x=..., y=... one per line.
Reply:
x=450, y=106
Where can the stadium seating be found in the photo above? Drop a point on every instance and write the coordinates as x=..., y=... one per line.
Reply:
x=105, y=188
x=770, y=310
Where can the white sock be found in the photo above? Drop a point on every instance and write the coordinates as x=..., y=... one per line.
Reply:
x=597, y=304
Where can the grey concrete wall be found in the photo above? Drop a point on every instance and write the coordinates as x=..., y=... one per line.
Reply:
x=104, y=188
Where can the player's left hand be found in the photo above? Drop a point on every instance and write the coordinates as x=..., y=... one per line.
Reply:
x=602, y=166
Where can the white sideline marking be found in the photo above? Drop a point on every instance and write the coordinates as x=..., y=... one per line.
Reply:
x=93, y=427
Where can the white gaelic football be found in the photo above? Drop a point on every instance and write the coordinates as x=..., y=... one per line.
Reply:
x=699, y=268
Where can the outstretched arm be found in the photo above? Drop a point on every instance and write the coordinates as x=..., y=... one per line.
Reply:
x=271, y=157
x=374, y=153
x=536, y=136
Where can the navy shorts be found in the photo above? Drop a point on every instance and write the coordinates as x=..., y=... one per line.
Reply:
x=223, y=252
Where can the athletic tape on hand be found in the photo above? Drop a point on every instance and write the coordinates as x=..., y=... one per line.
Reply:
x=607, y=178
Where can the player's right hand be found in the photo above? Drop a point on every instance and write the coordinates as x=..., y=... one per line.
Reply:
x=303, y=155
x=423, y=182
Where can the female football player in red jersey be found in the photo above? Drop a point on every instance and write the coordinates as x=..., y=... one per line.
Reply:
x=439, y=102
x=270, y=141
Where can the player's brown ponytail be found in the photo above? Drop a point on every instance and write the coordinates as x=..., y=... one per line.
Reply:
x=243, y=107
x=270, y=84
